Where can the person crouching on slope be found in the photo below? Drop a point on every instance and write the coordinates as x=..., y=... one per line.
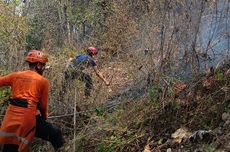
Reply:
x=29, y=94
x=76, y=66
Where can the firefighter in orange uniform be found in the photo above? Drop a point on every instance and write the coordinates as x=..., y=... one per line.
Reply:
x=29, y=94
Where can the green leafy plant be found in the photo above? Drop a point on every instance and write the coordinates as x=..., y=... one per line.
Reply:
x=153, y=94
x=81, y=149
x=219, y=75
x=227, y=107
x=103, y=148
x=100, y=111
x=175, y=105
x=209, y=148
x=4, y=92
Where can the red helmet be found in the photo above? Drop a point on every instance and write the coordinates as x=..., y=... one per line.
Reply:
x=36, y=56
x=92, y=50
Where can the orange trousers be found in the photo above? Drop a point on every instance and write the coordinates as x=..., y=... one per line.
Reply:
x=18, y=127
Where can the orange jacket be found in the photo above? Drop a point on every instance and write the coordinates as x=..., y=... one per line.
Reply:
x=18, y=126
x=29, y=85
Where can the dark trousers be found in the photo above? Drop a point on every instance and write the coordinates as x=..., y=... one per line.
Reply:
x=49, y=132
x=78, y=75
x=10, y=148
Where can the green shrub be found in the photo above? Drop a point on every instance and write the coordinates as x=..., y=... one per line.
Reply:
x=4, y=94
x=209, y=148
x=103, y=148
x=153, y=95
x=100, y=111
x=219, y=75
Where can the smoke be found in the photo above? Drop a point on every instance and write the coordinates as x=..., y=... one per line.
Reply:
x=214, y=39
x=212, y=44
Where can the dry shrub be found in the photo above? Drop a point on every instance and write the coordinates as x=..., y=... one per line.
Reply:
x=13, y=29
x=120, y=32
